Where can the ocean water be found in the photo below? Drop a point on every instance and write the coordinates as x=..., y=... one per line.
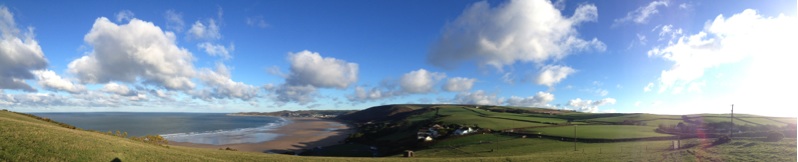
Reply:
x=202, y=128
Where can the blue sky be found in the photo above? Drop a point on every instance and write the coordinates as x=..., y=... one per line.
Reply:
x=668, y=56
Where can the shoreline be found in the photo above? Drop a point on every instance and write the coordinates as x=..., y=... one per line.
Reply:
x=299, y=134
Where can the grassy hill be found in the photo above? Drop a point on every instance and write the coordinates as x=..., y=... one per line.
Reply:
x=26, y=138
x=551, y=131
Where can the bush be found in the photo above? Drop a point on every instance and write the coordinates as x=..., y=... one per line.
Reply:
x=721, y=140
x=774, y=136
x=151, y=139
x=228, y=149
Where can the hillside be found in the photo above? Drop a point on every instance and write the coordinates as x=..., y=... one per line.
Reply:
x=26, y=138
x=381, y=113
x=493, y=123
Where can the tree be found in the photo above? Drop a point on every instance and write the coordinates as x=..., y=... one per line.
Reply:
x=774, y=136
x=681, y=127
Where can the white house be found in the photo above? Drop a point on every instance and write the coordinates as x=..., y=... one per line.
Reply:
x=463, y=131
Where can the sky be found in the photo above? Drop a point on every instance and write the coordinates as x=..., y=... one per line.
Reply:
x=666, y=56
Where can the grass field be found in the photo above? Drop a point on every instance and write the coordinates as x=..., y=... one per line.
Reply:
x=484, y=119
x=552, y=150
x=601, y=131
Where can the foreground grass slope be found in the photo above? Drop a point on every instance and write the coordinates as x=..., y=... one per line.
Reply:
x=28, y=139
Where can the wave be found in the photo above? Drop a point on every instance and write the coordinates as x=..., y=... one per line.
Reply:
x=234, y=136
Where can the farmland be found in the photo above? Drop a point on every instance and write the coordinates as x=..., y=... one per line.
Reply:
x=515, y=136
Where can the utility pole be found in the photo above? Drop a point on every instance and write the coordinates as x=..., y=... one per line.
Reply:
x=574, y=137
x=731, y=131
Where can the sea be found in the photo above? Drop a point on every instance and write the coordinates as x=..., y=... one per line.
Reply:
x=201, y=128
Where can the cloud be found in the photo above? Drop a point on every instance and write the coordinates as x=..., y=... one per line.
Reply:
x=256, y=22
x=221, y=86
x=668, y=30
x=541, y=99
x=414, y=82
x=419, y=81
x=602, y=92
x=174, y=21
x=205, y=31
x=217, y=49
x=641, y=15
x=516, y=31
x=478, y=97
x=559, y=4
x=118, y=89
x=508, y=78
x=51, y=81
x=124, y=15
x=19, y=54
x=309, y=68
x=589, y=105
x=550, y=75
x=684, y=6
x=302, y=94
x=131, y=52
x=725, y=41
x=362, y=94
x=459, y=84
x=39, y=101
x=648, y=87
x=309, y=71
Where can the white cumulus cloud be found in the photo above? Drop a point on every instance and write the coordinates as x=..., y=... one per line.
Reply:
x=19, y=54
x=217, y=49
x=119, y=89
x=207, y=31
x=362, y=94
x=515, y=31
x=309, y=68
x=478, y=97
x=550, y=75
x=726, y=41
x=49, y=80
x=540, y=99
x=589, y=105
x=459, y=84
x=302, y=94
x=309, y=71
x=420, y=81
x=135, y=51
x=222, y=86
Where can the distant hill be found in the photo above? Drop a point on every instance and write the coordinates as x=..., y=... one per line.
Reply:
x=382, y=113
x=395, y=128
x=297, y=113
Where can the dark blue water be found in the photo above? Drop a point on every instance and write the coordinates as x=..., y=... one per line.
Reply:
x=204, y=128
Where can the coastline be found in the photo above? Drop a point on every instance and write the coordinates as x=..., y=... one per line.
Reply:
x=300, y=134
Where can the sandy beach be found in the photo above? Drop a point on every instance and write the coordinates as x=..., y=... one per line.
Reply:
x=302, y=133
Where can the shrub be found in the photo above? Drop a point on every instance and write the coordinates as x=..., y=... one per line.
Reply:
x=152, y=139
x=228, y=149
x=721, y=140
x=774, y=136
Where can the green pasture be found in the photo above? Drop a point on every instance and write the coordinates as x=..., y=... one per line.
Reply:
x=600, y=131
